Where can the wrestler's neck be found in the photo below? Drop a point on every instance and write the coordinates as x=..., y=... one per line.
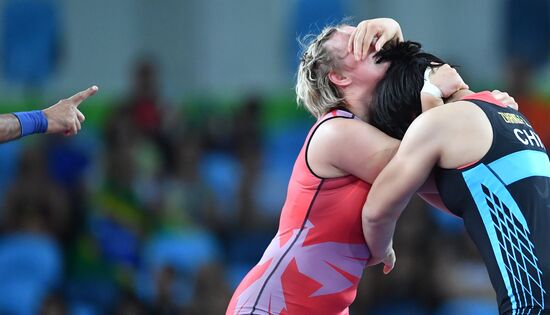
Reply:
x=359, y=111
x=358, y=104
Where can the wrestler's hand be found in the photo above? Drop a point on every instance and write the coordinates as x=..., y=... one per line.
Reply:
x=64, y=116
x=447, y=80
x=375, y=32
x=505, y=99
x=388, y=260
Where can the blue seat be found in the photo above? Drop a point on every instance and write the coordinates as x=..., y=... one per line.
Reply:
x=222, y=173
x=118, y=243
x=30, y=41
x=186, y=252
x=30, y=266
x=236, y=273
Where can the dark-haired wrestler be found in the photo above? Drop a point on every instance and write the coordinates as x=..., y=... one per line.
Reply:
x=490, y=168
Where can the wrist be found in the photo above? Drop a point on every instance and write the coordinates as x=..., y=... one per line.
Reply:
x=429, y=101
x=376, y=258
x=429, y=87
x=32, y=122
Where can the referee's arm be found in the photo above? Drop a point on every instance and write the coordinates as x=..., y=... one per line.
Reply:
x=9, y=127
x=64, y=117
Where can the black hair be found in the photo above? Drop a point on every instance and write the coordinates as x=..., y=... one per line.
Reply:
x=396, y=101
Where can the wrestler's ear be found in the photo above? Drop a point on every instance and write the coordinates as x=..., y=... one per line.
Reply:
x=339, y=79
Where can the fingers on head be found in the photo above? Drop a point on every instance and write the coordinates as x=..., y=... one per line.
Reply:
x=351, y=40
x=358, y=43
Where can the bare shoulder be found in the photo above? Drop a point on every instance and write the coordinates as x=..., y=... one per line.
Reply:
x=352, y=134
x=342, y=128
x=343, y=146
x=458, y=132
x=447, y=112
x=447, y=118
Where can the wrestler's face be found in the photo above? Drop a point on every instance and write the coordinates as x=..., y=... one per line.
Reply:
x=363, y=74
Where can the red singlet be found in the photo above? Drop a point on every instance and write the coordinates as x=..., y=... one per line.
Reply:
x=315, y=262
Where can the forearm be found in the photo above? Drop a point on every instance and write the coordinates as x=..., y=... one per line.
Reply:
x=380, y=214
x=9, y=127
x=429, y=101
x=458, y=95
x=378, y=235
x=389, y=196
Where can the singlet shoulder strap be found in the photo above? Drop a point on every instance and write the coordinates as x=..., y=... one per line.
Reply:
x=335, y=113
x=484, y=96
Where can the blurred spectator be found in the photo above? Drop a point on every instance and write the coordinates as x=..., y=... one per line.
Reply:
x=164, y=302
x=34, y=203
x=248, y=120
x=68, y=160
x=108, y=250
x=149, y=114
x=472, y=294
x=119, y=222
x=410, y=288
x=30, y=267
x=54, y=304
x=187, y=201
x=171, y=264
x=129, y=304
x=248, y=136
x=211, y=292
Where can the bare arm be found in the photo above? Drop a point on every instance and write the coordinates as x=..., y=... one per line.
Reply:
x=9, y=127
x=394, y=187
x=62, y=117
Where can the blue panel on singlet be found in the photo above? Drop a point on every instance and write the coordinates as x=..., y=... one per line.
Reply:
x=505, y=224
x=520, y=165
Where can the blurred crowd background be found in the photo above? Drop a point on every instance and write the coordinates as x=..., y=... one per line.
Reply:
x=172, y=190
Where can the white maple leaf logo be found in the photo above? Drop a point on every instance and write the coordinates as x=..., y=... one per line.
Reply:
x=323, y=262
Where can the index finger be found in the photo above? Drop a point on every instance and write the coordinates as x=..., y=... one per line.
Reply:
x=370, y=38
x=82, y=95
x=358, y=43
x=350, y=40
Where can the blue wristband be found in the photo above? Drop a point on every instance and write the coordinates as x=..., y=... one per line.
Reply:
x=32, y=122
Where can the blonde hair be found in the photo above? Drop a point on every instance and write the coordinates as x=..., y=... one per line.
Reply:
x=314, y=90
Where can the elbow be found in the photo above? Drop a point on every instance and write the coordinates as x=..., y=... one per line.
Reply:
x=373, y=215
